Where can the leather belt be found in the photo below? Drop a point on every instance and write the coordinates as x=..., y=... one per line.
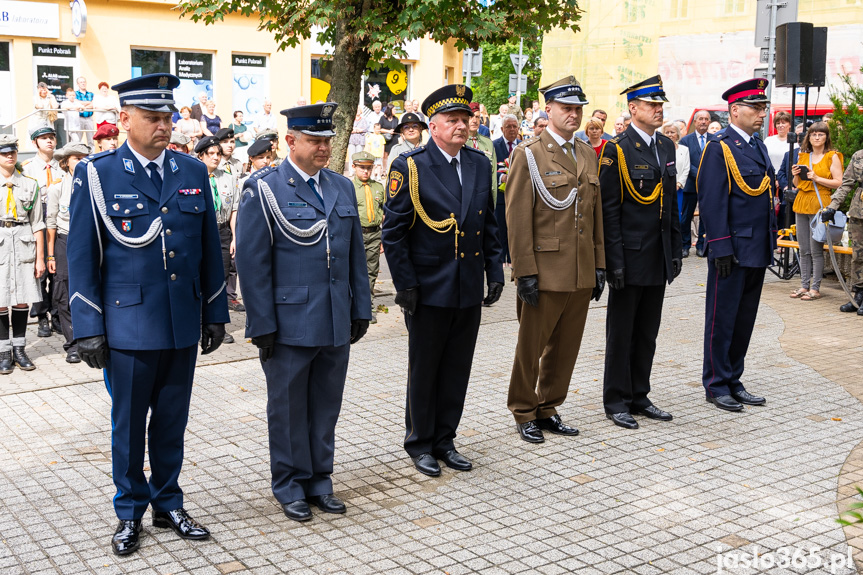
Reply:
x=11, y=224
x=371, y=229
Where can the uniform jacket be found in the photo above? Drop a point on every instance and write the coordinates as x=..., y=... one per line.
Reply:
x=288, y=289
x=852, y=181
x=144, y=298
x=485, y=145
x=57, y=211
x=228, y=195
x=18, y=243
x=564, y=248
x=45, y=173
x=736, y=223
x=640, y=239
x=420, y=256
x=691, y=142
x=377, y=202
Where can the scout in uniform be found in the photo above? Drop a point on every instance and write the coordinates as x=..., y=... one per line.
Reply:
x=147, y=283
x=440, y=240
x=735, y=195
x=228, y=144
x=370, y=203
x=21, y=239
x=852, y=182
x=302, y=268
x=223, y=186
x=554, y=216
x=45, y=170
x=643, y=251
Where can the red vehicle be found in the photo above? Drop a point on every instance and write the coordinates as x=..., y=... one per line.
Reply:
x=719, y=113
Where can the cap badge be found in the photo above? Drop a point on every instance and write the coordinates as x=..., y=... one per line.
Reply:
x=762, y=84
x=459, y=90
x=163, y=82
x=327, y=110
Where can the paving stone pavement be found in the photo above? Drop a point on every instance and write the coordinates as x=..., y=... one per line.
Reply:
x=667, y=498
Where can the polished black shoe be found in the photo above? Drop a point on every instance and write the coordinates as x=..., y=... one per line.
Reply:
x=328, y=503
x=127, y=537
x=624, y=420
x=685, y=254
x=555, y=425
x=234, y=305
x=653, y=412
x=228, y=338
x=73, y=357
x=426, y=464
x=181, y=522
x=725, y=402
x=44, y=329
x=860, y=310
x=530, y=432
x=455, y=460
x=699, y=253
x=849, y=307
x=7, y=366
x=747, y=398
x=21, y=359
x=297, y=510
x=55, y=324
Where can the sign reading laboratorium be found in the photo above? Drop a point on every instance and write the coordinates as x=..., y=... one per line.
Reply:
x=34, y=19
x=193, y=65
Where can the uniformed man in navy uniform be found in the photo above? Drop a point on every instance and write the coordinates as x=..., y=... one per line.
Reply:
x=440, y=239
x=146, y=278
x=302, y=269
x=637, y=177
x=735, y=192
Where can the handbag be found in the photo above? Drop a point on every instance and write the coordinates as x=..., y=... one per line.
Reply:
x=820, y=229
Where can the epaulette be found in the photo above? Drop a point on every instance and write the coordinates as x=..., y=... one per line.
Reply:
x=580, y=142
x=474, y=150
x=29, y=178
x=333, y=173
x=721, y=136
x=617, y=139
x=525, y=143
x=416, y=150
x=102, y=154
x=261, y=173
x=26, y=162
x=663, y=137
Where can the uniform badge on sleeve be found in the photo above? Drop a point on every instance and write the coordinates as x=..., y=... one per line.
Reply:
x=126, y=225
x=606, y=161
x=396, y=181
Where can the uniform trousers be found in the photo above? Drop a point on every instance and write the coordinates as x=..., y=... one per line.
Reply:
x=441, y=342
x=855, y=230
x=46, y=284
x=500, y=216
x=304, y=398
x=549, y=338
x=372, y=242
x=158, y=382
x=732, y=305
x=225, y=237
x=687, y=212
x=631, y=326
x=61, y=291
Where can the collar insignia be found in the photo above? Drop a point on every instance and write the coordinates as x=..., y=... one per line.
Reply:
x=128, y=165
x=173, y=163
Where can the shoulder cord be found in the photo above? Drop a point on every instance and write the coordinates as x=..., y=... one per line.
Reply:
x=542, y=191
x=624, y=175
x=97, y=200
x=731, y=166
x=287, y=228
x=441, y=226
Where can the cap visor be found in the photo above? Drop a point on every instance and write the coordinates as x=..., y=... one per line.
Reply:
x=163, y=108
x=578, y=101
x=7, y=149
x=323, y=133
x=653, y=99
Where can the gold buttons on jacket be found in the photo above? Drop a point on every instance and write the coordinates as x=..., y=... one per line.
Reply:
x=165, y=210
x=173, y=277
x=168, y=232
x=461, y=255
x=170, y=254
x=462, y=234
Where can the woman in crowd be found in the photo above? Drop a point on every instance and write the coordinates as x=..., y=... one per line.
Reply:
x=593, y=129
x=526, y=127
x=388, y=125
x=821, y=167
x=681, y=157
x=187, y=126
x=241, y=132
x=57, y=222
x=484, y=118
x=72, y=116
x=410, y=129
x=106, y=106
x=777, y=147
x=47, y=104
x=210, y=122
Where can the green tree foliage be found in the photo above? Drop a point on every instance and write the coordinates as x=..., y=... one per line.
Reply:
x=492, y=88
x=364, y=31
x=846, y=128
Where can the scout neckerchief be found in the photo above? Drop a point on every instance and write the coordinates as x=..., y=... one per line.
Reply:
x=11, y=208
x=370, y=212
x=217, y=199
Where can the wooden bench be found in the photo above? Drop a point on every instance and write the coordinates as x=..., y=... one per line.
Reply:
x=782, y=243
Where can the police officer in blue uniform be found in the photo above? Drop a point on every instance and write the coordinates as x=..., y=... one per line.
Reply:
x=637, y=177
x=440, y=239
x=735, y=191
x=146, y=278
x=302, y=269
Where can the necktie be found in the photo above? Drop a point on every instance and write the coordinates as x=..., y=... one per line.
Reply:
x=701, y=141
x=11, y=207
x=475, y=142
x=217, y=198
x=653, y=149
x=570, y=151
x=509, y=147
x=49, y=179
x=370, y=212
x=314, y=188
x=154, y=175
x=454, y=164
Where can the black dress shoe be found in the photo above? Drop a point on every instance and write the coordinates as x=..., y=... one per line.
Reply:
x=699, y=253
x=685, y=254
x=725, y=402
x=455, y=460
x=6, y=363
x=530, y=432
x=555, y=425
x=127, y=537
x=181, y=522
x=44, y=329
x=426, y=464
x=73, y=357
x=624, y=420
x=228, y=338
x=653, y=412
x=234, y=305
x=297, y=510
x=21, y=359
x=55, y=325
x=328, y=503
x=747, y=398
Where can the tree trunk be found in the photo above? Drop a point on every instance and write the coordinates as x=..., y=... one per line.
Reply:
x=350, y=59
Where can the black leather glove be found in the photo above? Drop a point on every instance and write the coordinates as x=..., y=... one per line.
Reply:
x=265, y=344
x=408, y=299
x=827, y=214
x=359, y=327
x=94, y=351
x=676, y=266
x=212, y=335
x=528, y=290
x=723, y=265
x=616, y=279
x=494, y=291
x=600, y=285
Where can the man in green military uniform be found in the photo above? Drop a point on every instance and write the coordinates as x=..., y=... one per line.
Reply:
x=370, y=204
x=852, y=182
x=479, y=142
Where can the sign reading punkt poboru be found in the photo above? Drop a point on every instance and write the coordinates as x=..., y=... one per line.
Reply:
x=253, y=61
